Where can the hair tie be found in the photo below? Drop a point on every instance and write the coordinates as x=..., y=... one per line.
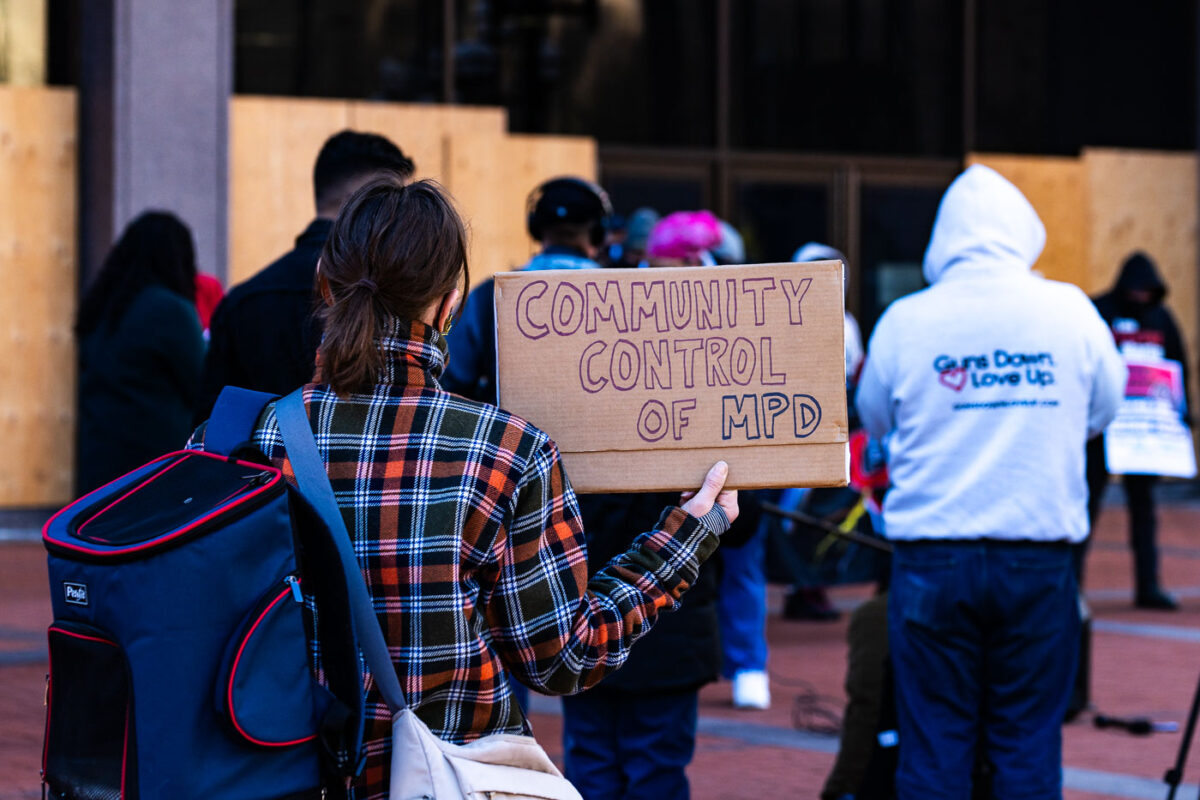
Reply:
x=364, y=283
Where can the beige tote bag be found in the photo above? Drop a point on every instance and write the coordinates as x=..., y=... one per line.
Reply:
x=497, y=767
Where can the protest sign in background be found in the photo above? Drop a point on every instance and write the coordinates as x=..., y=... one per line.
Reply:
x=645, y=378
x=1148, y=436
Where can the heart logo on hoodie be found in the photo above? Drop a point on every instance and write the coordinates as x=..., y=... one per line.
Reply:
x=954, y=379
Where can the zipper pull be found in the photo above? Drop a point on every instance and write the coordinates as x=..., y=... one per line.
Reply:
x=259, y=479
x=294, y=583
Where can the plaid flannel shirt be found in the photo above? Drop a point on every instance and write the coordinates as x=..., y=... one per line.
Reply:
x=470, y=541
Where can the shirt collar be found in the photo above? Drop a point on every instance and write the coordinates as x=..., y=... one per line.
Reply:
x=413, y=353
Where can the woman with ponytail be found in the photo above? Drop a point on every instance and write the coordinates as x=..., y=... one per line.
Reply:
x=463, y=520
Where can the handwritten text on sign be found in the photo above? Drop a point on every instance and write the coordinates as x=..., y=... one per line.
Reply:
x=676, y=358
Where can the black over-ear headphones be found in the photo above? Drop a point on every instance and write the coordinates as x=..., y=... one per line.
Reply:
x=569, y=200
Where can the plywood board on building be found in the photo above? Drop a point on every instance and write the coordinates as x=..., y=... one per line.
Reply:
x=1142, y=200
x=423, y=132
x=37, y=306
x=23, y=30
x=273, y=143
x=491, y=178
x=1058, y=190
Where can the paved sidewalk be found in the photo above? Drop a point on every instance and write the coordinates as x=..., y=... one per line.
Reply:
x=1144, y=664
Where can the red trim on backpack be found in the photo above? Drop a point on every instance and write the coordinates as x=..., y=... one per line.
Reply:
x=69, y=506
x=72, y=634
x=233, y=674
x=51, y=542
x=153, y=477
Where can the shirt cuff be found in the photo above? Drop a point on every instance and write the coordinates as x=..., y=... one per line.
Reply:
x=716, y=520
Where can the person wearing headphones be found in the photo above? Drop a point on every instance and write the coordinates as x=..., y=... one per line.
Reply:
x=569, y=217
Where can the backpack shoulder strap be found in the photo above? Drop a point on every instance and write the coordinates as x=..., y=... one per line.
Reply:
x=233, y=419
x=313, y=481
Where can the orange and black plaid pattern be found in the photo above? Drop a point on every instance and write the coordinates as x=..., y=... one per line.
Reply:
x=469, y=537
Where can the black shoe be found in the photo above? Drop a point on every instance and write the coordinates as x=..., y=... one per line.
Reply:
x=1156, y=600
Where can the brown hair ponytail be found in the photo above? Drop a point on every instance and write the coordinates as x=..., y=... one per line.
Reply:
x=394, y=251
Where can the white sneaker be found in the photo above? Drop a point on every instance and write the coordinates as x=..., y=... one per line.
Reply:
x=751, y=690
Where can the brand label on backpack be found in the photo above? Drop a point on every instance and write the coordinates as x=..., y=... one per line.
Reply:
x=76, y=593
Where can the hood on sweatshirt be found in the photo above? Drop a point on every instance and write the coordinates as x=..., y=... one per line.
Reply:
x=983, y=220
x=1139, y=273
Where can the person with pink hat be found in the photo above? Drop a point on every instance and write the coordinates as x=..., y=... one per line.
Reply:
x=684, y=239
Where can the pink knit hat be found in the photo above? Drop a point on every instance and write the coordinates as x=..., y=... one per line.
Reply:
x=684, y=235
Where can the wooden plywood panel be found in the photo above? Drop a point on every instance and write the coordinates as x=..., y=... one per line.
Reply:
x=23, y=31
x=37, y=306
x=273, y=144
x=423, y=131
x=1057, y=188
x=491, y=178
x=1146, y=201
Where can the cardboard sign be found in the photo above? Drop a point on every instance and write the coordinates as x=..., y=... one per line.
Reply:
x=1148, y=436
x=646, y=377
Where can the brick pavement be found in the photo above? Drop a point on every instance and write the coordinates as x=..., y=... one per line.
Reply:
x=1145, y=663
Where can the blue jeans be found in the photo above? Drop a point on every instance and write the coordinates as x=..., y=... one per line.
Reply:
x=621, y=746
x=984, y=640
x=742, y=605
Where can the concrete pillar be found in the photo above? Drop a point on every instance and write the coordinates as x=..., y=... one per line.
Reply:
x=155, y=82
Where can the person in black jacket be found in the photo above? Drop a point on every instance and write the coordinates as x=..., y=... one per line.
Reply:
x=633, y=735
x=264, y=335
x=1143, y=329
x=140, y=351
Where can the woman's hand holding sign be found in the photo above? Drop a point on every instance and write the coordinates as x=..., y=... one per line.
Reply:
x=700, y=502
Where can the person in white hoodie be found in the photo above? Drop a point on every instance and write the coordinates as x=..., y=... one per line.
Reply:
x=987, y=384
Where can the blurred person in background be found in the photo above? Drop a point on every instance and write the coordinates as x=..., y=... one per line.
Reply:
x=568, y=217
x=988, y=493
x=1144, y=330
x=815, y=251
x=806, y=601
x=264, y=334
x=732, y=248
x=140, y=351
x=614, y=242
x=637, y=235
x=684, y=239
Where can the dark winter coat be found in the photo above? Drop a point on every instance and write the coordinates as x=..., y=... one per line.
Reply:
x=264, y=335
x=683, y=649
x=1150, y=324
x=139, y=378
x=682, y=652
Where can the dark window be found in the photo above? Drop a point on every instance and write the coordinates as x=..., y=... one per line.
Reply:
x=386, y=49
x=664, y=194
x=870, y=76
x=623, y=71
x=896, y=224
x=1056, y=77
x=776, y=218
